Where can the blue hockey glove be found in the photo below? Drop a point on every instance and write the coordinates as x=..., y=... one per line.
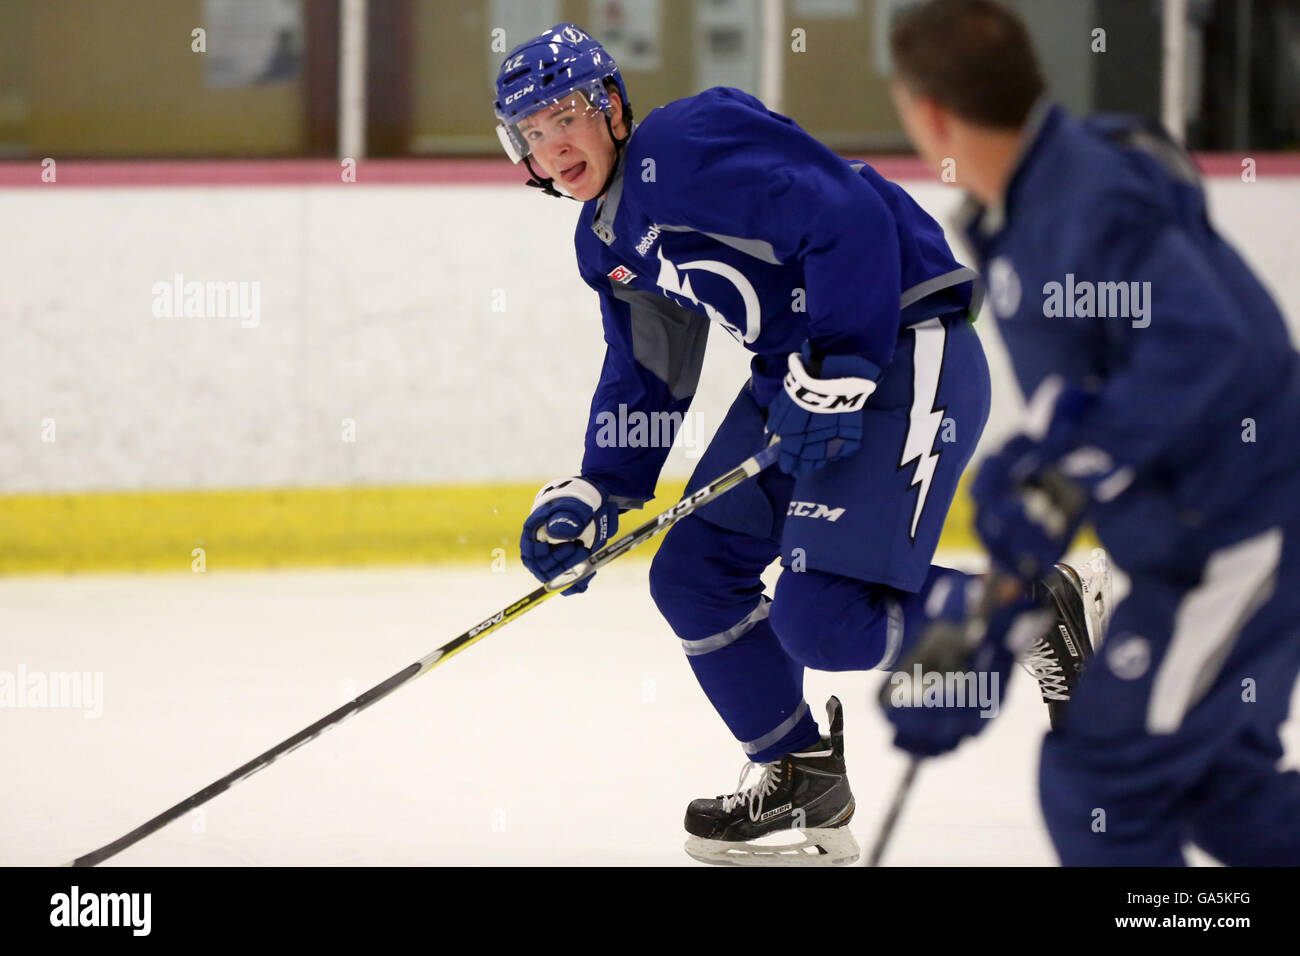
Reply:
x=818, y=415
x=571, y=518
x=1031, y=495
x=954, y=682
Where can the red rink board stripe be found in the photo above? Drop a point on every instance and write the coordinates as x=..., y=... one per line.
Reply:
x=304, y=172
x=261, y=172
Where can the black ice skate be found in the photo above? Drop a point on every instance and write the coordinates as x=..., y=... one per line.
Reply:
x=1082, y=606
x=797, y=814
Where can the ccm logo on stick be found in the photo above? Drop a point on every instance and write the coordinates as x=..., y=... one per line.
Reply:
x=495, y=619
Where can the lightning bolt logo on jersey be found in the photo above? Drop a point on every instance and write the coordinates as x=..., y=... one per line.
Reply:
x=747, y=321
x=925, y=417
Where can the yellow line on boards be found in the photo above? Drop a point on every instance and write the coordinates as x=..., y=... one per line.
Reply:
x=295, y=527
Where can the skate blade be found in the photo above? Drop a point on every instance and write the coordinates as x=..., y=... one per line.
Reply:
x=824, y=846
x=1098, y=590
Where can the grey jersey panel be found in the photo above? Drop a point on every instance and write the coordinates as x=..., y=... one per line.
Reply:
x=758, y=248
x=930, y=286
x=667, y=339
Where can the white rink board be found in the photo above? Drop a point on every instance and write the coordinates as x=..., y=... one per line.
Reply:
x=576, y=735
x=376, y=306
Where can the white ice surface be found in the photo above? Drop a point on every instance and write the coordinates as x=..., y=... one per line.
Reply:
x=574, y=736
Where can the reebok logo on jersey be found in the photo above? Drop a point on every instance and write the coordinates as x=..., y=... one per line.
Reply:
x=811, y=509
x=622, y=274
x=647, y=241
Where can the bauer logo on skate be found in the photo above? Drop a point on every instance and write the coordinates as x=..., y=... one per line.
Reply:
x=769, y=814
x=982, y=689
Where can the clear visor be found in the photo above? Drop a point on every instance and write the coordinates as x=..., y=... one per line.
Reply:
x=549, y=124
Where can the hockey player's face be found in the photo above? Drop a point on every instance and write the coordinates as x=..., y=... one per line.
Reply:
x=571, y=144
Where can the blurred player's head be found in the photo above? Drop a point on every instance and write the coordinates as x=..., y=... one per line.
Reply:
x=964, y=70
x=561, y=104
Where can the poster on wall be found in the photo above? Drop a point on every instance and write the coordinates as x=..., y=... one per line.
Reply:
x=511, y=22
x=827, y=9
x=726, y=44
x=629, y=30
x=886, y=10
x=252, y=42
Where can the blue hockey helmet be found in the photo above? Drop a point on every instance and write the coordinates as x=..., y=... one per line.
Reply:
x=562, y=61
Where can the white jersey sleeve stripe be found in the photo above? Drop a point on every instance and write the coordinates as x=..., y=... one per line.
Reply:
x=1237, y=580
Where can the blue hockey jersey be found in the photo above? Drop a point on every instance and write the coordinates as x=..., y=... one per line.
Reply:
x=1103, y=267
x=721, y=211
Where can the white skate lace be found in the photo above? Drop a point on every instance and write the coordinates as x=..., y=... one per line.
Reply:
x=756, y=792
x=1041, y=663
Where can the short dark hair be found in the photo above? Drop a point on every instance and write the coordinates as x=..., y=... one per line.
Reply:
x=972, y=56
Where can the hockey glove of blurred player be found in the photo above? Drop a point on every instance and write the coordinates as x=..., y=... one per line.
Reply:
x=1031, y=496
x=818, y=415
x=571, y=518
x=917, y=699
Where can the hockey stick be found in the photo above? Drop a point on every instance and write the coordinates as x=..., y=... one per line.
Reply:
x=944, y=646
x=895, y=807
x=614, y=549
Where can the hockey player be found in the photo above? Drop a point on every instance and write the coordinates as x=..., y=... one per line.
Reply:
x=1165, y=408
x=714, y=209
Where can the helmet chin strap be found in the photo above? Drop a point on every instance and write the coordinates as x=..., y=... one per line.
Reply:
x=547, y=184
